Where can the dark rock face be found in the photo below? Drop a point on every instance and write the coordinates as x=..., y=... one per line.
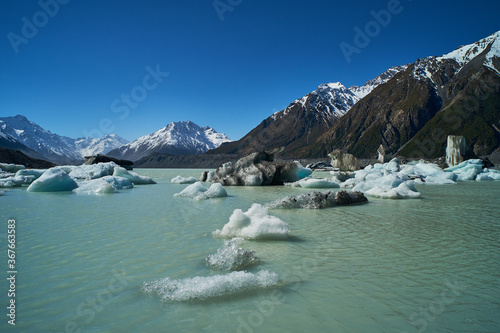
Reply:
x=104, y=159
x=349, y=198
x=18, y=157
x=258, y=169
x=319, y=200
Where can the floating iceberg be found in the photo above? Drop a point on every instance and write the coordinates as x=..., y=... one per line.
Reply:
x=231, y=257
x=95, y=186
x=259, y=169
x=256, y=223
x=13, y=168
x=404, y=190
x=52, y=180
x=210, y=286
x=92, y=171
x=489, y=174
x=315, y=183
x=199, y=192
x=318, y=200
x=183, y=180
x=16, y=181
x=36, y=173
x=132, y=176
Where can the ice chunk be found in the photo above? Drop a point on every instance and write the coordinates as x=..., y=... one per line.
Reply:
x=256, y=223
x=8, y=167
x=489, y=174
x=92, y=171
x=95, y=186
x=119, y=182
x=231, y=257
x=317, y=183
x=183, y=180
x=210, y=286
x=132, y=176
x=199, y=192
x=31, y=172
x=52, y=180
x=16, y=181
x=402, y=191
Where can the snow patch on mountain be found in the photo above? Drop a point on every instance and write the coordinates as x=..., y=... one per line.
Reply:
x=94, y=146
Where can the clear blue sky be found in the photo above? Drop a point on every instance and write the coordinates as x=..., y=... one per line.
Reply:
x=229, y=74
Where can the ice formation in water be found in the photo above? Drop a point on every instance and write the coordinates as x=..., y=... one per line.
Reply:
x=132, y=176
x=318, y=200
x=95, y=186
x=13, y=168
x=183, y=180
x=54, y=179
x=199, y=192
x=256, y=223
x=231, y=257
x=92, y=171
x=203, y=287
x=315, y=183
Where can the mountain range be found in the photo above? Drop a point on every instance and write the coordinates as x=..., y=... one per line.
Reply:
x=410, y=109
x=18, y=133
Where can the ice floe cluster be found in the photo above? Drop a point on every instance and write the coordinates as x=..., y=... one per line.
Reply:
x=231, y=257
x=394, y=181
x=91, y=179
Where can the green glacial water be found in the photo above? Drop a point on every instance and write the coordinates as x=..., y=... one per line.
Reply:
x=421, y=265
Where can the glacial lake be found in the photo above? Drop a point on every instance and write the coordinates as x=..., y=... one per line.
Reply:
x=416, y=265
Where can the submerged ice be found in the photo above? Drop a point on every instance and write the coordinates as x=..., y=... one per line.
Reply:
x=210, y=286
x=231, y=257
x=256, y=223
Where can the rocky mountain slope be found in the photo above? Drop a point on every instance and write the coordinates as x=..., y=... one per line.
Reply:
x=305, y=119
x=413, y=113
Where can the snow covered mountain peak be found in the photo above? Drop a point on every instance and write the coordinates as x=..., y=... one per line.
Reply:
x=466, y=53
x=333, y=100
x=462, y=56
x=181, y=137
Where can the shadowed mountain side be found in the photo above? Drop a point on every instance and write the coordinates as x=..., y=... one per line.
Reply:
x=206, y=161
x=18, y=157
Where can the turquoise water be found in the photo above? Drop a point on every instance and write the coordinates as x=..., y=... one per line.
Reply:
x=424, y=265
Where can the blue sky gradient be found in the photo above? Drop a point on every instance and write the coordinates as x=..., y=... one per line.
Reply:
x=230, y=63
